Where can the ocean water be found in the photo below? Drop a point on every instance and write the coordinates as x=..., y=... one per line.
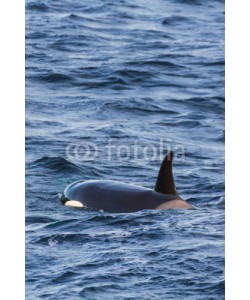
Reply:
x=111, y=86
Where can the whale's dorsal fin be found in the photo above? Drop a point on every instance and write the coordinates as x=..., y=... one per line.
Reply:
x=165, y=180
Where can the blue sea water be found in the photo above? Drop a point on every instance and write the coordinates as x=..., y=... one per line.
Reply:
x=145, y=75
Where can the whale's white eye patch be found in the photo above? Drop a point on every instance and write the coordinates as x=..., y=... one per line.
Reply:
x=73, y=203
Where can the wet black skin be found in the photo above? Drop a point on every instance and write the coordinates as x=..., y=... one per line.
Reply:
x=114, y=196
x=118, y=197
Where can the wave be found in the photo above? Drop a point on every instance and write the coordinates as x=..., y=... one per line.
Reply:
x=58, y=164
x=155, y=63
x=53, y=78
x=190, y=2
x=175, y=20
x=137, y=106
x=75, y=17
x=133, y=75
x=204, y=104
x=37, y=6
x=40, y=219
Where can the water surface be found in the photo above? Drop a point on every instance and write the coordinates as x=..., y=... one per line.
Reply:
x=144, y=74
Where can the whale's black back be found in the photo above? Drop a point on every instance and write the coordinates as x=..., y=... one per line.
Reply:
x=113, y=196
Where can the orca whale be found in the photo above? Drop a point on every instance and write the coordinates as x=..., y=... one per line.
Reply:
x=118, y=197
